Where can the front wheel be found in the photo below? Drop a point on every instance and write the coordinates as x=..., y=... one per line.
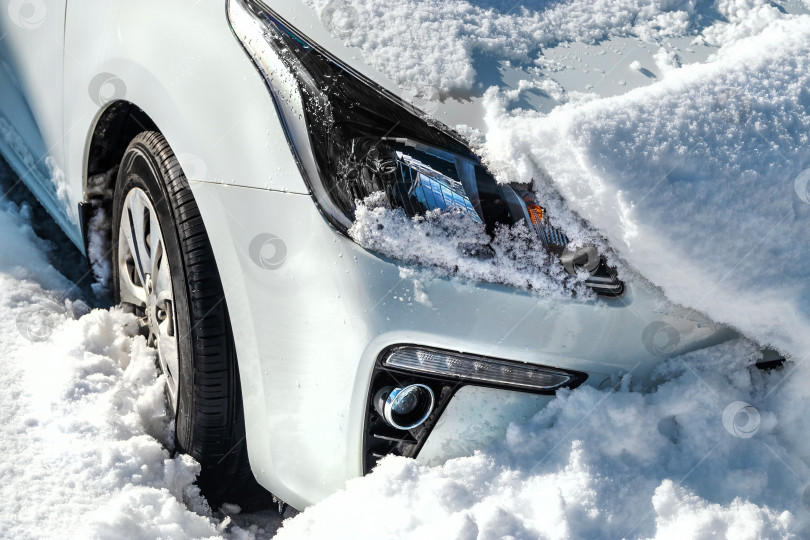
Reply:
x=164, y=271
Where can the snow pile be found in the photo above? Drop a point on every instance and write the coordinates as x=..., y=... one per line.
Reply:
x=450, y=243
x=100, y=195
x=718, y=450
x=743, y=18
x=699, y=181
x=83, y=428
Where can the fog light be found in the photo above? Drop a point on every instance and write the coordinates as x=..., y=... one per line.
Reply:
x=479, y=369
x=404, y=408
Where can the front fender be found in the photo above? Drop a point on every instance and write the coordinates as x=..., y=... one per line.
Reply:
x=181, y=64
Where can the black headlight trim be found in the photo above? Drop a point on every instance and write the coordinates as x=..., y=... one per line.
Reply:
x=315, y=65
x=349, y=142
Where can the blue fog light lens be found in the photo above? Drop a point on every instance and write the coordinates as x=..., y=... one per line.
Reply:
x=405, y=408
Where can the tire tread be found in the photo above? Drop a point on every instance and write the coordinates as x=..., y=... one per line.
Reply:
x=217, y=428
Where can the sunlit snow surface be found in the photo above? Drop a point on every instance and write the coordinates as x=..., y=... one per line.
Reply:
x=672, y=463
x=699, y=181
x=83, y=426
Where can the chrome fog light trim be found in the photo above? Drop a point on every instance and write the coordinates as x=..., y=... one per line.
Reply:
x=405, y=408
x=479, y=369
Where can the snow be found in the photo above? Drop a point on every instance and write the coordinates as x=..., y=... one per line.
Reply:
x=697, y=181
x=689, y=181
x=433, y=44
x=84, y=433
x=666, y=60
x=85, y=437
x=98, y=241
x=457, y=28
x=692, y=180
x=453, y=244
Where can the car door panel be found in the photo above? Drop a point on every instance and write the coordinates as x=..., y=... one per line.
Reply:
x=31, y=119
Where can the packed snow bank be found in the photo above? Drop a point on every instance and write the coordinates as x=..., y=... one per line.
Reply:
x=699, y=181
x=718, y=450
x=83, y=427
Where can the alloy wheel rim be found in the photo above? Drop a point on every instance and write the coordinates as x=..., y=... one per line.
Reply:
x=145, y=282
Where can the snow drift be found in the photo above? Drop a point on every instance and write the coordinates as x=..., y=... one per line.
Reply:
x=698, y=181
x=84, y=431
x=717, y=450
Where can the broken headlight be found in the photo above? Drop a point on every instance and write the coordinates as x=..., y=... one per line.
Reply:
x=352, y=138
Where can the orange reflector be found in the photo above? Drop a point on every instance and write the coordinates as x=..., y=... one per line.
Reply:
x=535, y=213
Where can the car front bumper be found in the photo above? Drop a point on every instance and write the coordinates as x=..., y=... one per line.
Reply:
x=311, y=312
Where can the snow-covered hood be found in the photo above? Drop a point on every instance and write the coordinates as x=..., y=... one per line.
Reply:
x=678, y=129
x=444, y=55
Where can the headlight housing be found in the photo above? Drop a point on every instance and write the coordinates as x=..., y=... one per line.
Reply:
x=359, y=138
x=352, y=138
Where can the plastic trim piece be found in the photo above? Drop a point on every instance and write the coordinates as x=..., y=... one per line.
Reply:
x=380, y=439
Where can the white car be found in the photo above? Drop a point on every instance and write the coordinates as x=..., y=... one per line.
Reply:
x=211, y=155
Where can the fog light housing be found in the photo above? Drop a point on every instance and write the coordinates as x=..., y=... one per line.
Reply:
x=405, y=408
x=479, y=370
x=412, y=385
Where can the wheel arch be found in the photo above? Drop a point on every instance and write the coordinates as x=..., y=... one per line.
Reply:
x=115, y=127
x=190, y=80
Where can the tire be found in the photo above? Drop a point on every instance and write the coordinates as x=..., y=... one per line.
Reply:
x=186, y=317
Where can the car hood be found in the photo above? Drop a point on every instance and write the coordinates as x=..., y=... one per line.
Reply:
x=679, y=134
x=545, y=77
